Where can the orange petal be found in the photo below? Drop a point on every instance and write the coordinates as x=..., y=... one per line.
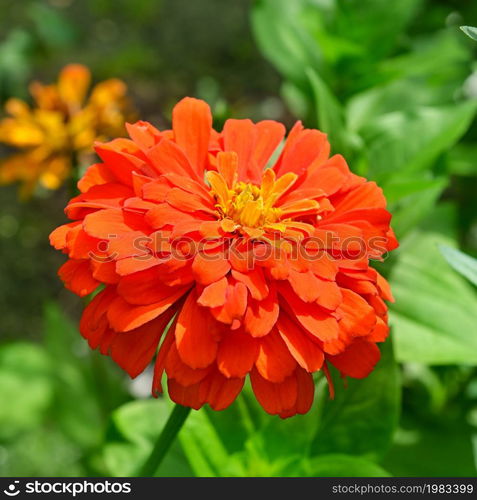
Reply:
x=161, y=358
x=316, y=320
x=358, y=360
x=214, y=295
x=73, y=84
x=236, y=354
x=218, y=391
x=134, y=350
x=145, y=287
x=178, y=370
x=208, y=268
x=275, y=398
x=188, y=202
x=239, y=136
x=111, y=222
x=274, y=361
x=77, y=277
x=306, y=352
x=269, y=135
x=185, y=395
x=58, y=236
x=302, y=148
x=168, y=157
x=306, y=393
x=254, y=281
x=124, y=317
x=192, y=124
x=262, y=315
x=235, y=304
x=227, y=165
x=196, y=334
x=143, y=134
x=96, y=174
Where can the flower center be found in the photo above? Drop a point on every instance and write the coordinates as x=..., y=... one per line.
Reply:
x=257, y=210
x=246, y=206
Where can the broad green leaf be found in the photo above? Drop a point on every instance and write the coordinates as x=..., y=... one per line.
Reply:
x=205, y=449
x=85, y=374
x=282, y=38
x=405, y=142
x=362, y=418
x=416, y=199
x=470, y=31
x=134, y=428
x=336, y=465
x=432, y=447
x=26, y=391
x=441, y=58
x=54, y=28
x=328, y=111
x=462, y=160
x=373, y=24
x=42, y=451
x=433, y=318
x=461, y=262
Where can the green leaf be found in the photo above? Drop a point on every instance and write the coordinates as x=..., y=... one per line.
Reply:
x=432, y=447
x=470, y=31
x=328, y=111
x=205, y=448
x=283, y=39
x=433, y=318
x=374, y=24
x=412, y=201
x=362, y=418
x=461, y=262
x=26, y=392
x=462, y=160
x=134, y=428
x=408, y=142
x=337, y=465
x=84, y=374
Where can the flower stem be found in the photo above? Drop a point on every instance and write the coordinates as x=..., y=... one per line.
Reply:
x=165, y=440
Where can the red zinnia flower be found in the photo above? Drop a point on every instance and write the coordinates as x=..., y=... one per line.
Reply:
x=262, y=271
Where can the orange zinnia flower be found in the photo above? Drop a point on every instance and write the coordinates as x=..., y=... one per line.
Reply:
x=60, y=128
x=260, y=271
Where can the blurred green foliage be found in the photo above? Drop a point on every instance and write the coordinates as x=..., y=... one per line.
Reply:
x=394, y=84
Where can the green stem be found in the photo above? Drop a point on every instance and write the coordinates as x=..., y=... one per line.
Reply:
x=164, y=441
